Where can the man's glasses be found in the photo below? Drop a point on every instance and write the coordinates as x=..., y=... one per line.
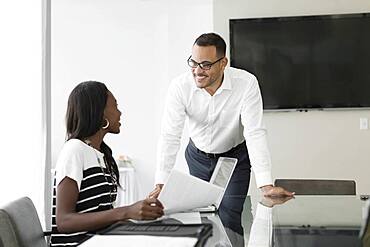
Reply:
x=203, y=65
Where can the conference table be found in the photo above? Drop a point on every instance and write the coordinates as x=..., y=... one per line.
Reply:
x=304, y=221
x=307, y=221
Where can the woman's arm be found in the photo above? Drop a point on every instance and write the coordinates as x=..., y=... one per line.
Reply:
x=68, y=220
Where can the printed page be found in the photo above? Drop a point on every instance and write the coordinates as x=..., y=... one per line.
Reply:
x=187, y=217
x=184, y=192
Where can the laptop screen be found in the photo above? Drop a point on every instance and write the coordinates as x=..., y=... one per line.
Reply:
x=223, y=171
x=183, y=192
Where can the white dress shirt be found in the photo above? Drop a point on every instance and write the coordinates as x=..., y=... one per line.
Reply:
x=216, y=123
x=260, y=234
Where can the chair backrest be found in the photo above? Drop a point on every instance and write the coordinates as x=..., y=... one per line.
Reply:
x=8, y=237
x=26, y=224
x=365, y=228
x=318, y=187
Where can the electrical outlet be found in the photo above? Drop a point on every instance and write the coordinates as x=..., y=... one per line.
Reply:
x=364, y=123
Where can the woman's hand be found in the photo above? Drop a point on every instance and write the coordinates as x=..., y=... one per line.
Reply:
x=148, y=209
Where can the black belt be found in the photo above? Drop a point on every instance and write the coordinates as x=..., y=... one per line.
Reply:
x=217, y=155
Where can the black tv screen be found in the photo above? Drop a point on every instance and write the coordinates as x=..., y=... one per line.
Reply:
x=306, y=62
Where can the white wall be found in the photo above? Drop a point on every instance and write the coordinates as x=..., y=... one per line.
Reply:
x=135, y=47
x=21, y=102
x=315, y=144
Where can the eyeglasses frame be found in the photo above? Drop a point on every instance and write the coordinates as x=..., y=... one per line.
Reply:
x=201, y=65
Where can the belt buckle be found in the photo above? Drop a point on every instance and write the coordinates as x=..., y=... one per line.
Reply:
x=211, y=155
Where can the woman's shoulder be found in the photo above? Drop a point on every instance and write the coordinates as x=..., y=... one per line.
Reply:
x=73, y=147
x=74, y=144
x=71, y=161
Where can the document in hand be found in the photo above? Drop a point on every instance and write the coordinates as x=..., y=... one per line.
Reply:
x=184, y=192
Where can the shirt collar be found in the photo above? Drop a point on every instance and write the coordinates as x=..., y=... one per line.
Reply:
x=225, y=85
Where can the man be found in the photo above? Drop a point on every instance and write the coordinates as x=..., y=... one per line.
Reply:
x=224, y=110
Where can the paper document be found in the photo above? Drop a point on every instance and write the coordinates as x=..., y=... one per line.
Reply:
x=187, y=218
x=138, y=241
x=184, y=192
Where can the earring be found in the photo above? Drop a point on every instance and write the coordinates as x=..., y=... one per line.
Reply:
x=107, y=125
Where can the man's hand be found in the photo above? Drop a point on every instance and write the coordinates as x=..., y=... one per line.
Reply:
x=156, y=191
x=272, y=191
x=269, y=201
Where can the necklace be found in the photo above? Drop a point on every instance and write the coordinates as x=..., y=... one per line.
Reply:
x=113, y=184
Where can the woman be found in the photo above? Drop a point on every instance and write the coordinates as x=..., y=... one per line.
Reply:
x=86, y=174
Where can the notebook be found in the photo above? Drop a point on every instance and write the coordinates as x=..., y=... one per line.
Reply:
x=183, y=192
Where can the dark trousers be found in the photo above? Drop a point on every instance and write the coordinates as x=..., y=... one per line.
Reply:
x=201, y=165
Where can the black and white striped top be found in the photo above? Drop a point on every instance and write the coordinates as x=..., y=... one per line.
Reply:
x=79, y=162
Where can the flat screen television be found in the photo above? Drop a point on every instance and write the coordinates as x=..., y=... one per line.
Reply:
x=306, y=62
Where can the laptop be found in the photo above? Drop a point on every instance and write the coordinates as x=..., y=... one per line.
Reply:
x=184, y=192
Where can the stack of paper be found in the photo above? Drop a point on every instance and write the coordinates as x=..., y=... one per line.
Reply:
x=184, y=192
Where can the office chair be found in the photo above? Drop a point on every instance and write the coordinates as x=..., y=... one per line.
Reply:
x=365, y=228
x=7, y=233
x=318, y=187
x=24, y=228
